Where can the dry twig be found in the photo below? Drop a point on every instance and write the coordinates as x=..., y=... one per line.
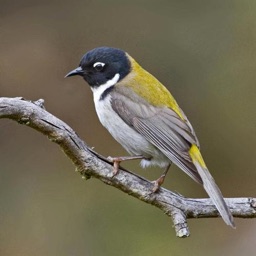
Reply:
x=91, y=164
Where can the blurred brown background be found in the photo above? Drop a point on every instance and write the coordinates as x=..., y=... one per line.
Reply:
x=203, y=51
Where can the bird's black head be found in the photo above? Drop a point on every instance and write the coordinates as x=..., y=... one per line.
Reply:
x=100, y=65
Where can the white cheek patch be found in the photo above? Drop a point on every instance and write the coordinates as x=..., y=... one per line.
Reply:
x=99, y=90
x=99, y=63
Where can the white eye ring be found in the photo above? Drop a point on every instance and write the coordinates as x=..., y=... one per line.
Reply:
x=99, y=63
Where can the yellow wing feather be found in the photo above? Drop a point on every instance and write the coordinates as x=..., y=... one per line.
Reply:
x=196, y=156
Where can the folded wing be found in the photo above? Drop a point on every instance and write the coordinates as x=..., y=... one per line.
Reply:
x=161, y=126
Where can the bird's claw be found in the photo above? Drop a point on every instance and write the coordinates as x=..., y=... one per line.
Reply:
x=116, y=163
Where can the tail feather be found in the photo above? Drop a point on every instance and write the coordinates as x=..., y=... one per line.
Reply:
x=211, y=187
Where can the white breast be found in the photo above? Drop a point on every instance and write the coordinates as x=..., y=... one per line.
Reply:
x=124, y=134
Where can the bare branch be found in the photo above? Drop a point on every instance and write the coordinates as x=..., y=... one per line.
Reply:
x=91, y=164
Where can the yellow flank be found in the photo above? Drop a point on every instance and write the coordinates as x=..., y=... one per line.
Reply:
x=146, y=85
x=195, y=155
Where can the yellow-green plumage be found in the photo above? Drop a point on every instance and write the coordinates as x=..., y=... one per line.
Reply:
x=149, y=88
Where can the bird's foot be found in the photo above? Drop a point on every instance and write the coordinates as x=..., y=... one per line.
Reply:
x=158, y=183
x=117, y=160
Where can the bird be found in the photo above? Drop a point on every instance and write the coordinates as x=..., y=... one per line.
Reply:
x=143, y=116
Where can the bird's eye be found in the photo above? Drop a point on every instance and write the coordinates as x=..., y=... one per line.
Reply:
x=98, y=66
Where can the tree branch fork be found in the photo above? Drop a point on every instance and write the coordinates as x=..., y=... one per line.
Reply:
x=90, y=164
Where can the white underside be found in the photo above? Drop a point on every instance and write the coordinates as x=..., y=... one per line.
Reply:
x=132, y=141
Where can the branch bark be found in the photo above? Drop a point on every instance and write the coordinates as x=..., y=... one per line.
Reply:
x=90, y=164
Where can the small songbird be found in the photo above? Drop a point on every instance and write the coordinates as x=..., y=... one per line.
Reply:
x=143, y=116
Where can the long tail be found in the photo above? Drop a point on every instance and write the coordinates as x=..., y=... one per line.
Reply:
x=210, y=186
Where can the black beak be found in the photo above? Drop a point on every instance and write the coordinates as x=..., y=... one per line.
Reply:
x=75, y=72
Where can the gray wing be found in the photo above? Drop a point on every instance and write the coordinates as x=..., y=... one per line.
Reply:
x=161, y=126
